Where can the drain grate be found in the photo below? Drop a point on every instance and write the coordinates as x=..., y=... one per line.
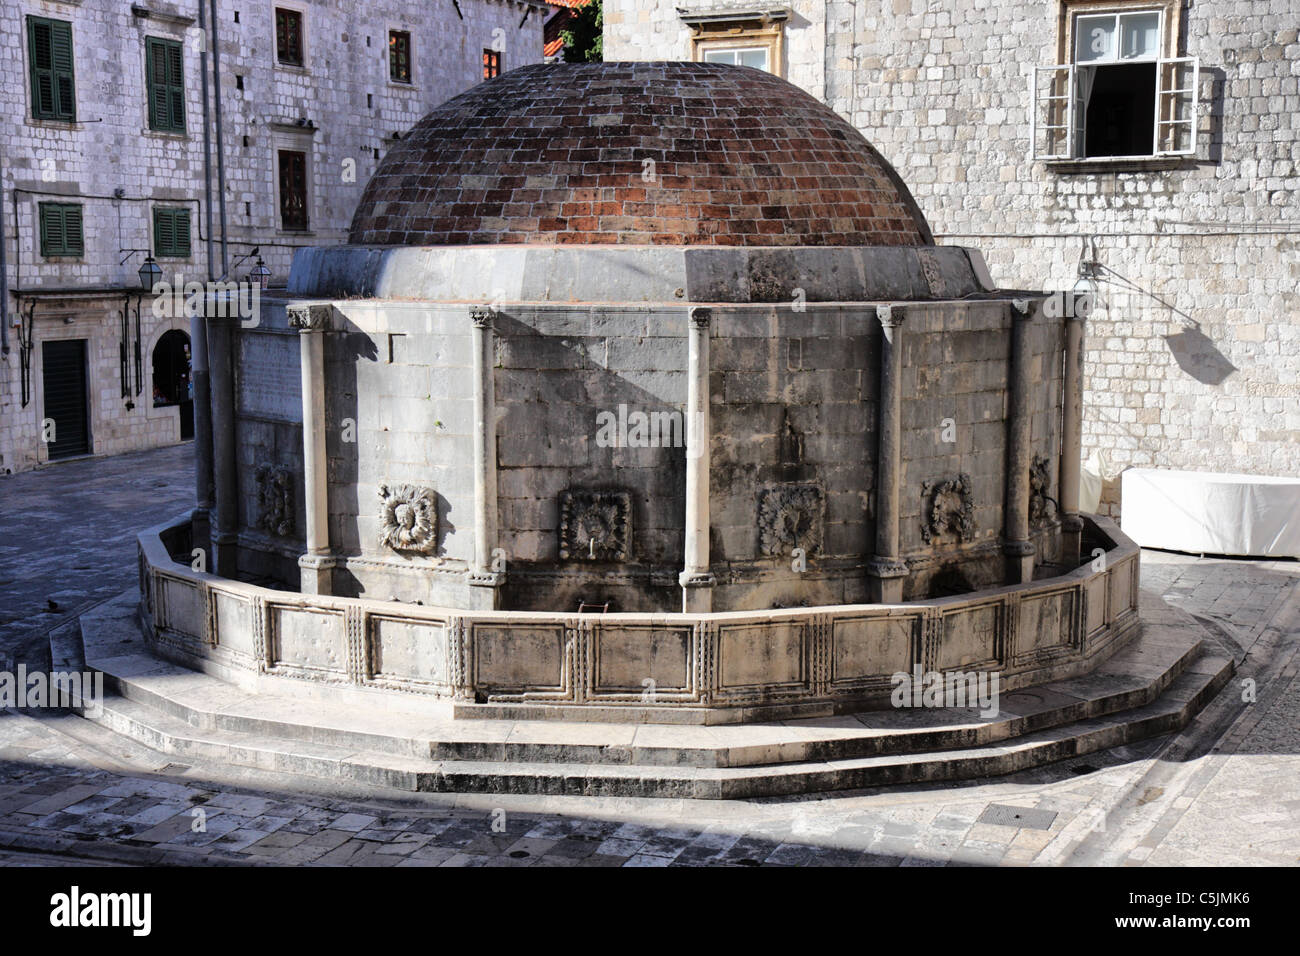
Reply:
x=1001, y=815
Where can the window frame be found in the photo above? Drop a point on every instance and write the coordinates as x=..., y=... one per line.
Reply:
x=409, y=79
x=45, y=212
x=174, y=92
x=280, y=151
x=492, y=60
x=1117, y=57
x=739, y=29
x=1069, y=11
x=719, y=46
x=1167, y=59
x=174, y=250
x=55, y=113
x=276, y=10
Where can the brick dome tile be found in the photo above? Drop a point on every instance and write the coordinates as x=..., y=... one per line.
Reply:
x=558, y=154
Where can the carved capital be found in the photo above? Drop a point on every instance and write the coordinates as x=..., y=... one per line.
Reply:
x=1072, y=524
x=697, y=579
x=309, y=318
x=1019, y=549
x=482, y=316
x=701, y=318
x=317, y=562
x=890, y=316
x=883, y=567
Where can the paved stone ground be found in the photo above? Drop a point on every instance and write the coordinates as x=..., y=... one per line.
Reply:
x=67, y=536
x=1221, y=792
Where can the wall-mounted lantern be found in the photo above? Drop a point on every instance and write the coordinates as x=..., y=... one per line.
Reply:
x=150, y=274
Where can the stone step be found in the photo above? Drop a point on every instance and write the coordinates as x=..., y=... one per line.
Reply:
x=1152, y=687
x=172, y=736
x=1187, y=696
x=1134, y=677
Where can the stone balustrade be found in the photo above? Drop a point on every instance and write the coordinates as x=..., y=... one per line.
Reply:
x=687, y=667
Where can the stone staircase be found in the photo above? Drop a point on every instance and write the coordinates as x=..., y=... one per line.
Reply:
x=1152, y=687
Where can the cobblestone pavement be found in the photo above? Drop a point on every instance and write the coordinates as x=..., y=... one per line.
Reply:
x=1203, y=796
x=67, y=537
x=1220, y=792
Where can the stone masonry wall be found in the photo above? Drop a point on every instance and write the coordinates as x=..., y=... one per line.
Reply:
x=403, y=395
x=268, y=437
x=794, y=404
x=557, y=370
x=1193, y=356
x=343, y=89
x=956, y=365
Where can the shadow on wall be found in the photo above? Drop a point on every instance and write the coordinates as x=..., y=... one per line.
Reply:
x=1197, y=355
x=1218, y=84
x=1193, y=350
x=549, y=391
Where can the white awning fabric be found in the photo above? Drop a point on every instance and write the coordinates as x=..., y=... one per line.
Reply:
x=1210, y=513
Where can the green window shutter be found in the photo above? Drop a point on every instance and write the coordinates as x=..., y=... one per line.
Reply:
x=176, y=87
x=163, y=236
x=42, y=68
x=153, y=66
x=181, y=225
x=49, y=48
x=61, y=230
x=65, y=84
x=51, y=229
x=74, y=243
x=164, y=67
x=171, y=233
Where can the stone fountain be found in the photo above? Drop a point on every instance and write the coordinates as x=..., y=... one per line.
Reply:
x=645, y=375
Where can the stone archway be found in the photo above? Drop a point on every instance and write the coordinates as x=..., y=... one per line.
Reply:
x=172, y=382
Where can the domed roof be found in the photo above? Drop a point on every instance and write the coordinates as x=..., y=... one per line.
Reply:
x=642, y=153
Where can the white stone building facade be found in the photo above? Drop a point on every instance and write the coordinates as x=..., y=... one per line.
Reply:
x=103, y=113
x=1186, y=202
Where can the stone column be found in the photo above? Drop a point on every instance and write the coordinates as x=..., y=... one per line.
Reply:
x=481, y=574
x=316, y=564
x=1072, y=436
x=201, y=519
x=886, y=569
x=224, y=558
x=696, y=579
x=1017, y=547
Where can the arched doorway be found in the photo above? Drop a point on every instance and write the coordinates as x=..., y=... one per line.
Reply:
x=172, y=384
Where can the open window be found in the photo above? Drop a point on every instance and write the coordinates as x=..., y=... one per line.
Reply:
x=1119, y=93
